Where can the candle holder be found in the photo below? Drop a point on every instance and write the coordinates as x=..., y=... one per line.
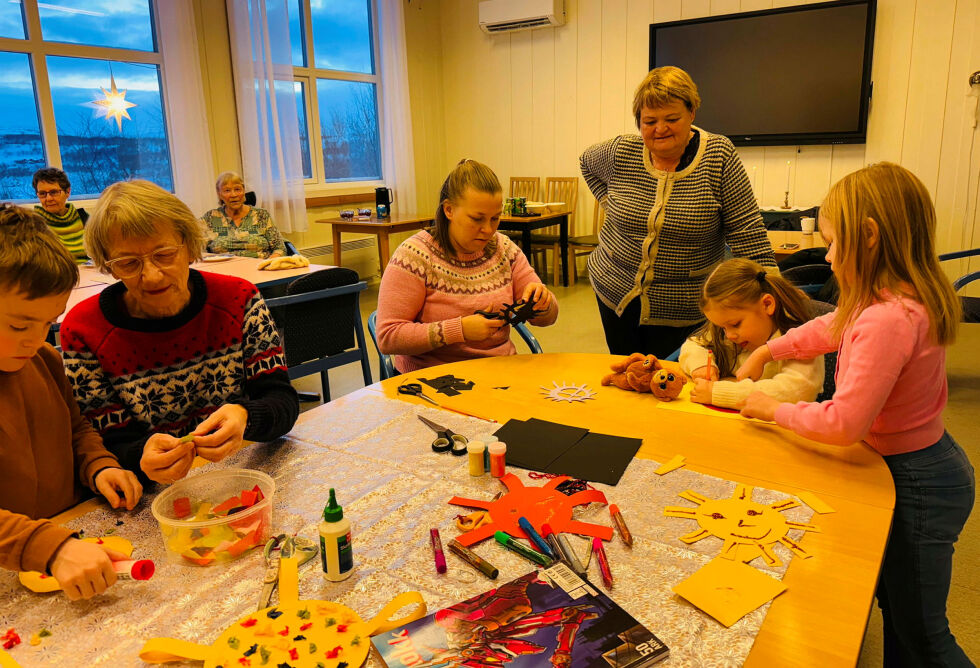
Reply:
x=786, y=201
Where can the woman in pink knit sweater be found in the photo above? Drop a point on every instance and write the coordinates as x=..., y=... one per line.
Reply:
x=897, y=312
x=438, y=278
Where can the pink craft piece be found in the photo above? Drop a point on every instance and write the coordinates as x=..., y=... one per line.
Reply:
x=540, y=505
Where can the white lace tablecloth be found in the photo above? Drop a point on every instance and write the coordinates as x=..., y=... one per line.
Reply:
x=393, y=489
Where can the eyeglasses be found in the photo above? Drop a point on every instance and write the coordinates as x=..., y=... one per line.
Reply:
x=233, y=190
x=129, y=266
x=41, y=194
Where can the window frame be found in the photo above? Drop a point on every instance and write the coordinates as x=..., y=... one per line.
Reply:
x=308, y=75
x=38, y=50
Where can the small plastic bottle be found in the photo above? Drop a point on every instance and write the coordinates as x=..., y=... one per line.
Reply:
x=476, y=450
x=498, y=457
x=486, y=438
x=336, y=551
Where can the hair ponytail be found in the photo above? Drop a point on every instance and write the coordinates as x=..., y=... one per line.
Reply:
x=466, y=173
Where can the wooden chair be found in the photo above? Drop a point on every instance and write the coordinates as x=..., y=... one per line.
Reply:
x=525, y=186
x=582, y=246
x=557, y=189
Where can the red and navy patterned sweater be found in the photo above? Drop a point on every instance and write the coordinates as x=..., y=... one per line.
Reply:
x=134, y=376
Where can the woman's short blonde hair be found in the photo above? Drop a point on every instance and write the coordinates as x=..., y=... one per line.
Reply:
x=664, y=85
x=228, y=177
x=139, y=209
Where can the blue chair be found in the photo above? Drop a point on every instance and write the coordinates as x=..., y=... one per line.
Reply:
x=386, y=362
x=290, y=247
x=320, y=323
x=971, y=305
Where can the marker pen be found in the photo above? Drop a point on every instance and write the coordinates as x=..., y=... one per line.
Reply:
x=531, y=555
x=564, y=550
x=473, y=559
x=536, y=538
x=624, y=531
x=600, y=554
x=437, y=552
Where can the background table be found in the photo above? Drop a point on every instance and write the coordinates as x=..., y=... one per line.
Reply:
x=526, y=225
x=779, y=237
x=820, y=620
x=380, y=228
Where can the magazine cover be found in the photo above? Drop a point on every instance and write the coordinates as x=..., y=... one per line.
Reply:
x=545, y=619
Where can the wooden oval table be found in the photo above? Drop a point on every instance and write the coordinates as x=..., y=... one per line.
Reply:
x=820, y=620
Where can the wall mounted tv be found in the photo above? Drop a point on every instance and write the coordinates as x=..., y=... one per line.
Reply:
x=796, y=75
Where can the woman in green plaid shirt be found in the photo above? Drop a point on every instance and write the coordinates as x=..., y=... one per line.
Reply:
x=237, y=228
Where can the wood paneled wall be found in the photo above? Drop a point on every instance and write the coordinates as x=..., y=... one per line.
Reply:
x=528, y=103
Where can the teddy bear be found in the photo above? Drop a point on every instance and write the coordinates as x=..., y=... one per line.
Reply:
x=644, y=373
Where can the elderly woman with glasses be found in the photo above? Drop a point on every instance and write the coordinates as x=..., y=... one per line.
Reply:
x=171, y=362
x=238, y=228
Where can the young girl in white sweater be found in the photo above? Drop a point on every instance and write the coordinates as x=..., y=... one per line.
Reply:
x=746, y=307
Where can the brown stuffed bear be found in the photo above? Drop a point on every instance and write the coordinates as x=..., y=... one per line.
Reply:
x=642, y=373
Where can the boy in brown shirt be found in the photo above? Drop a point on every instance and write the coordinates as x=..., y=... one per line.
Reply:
x=47, y=449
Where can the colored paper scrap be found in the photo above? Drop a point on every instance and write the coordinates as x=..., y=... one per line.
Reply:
x=675, y=463
x=728, y=590
x=815, y=502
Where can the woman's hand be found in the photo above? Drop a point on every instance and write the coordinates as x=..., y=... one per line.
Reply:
x=480, y=328
x=761, y=406
x=706, y=372
x=119, y=486
x=755, y=364
x=84, y=569
x=221, y=433
x=702, y=391
x=166, y=459
x=540, y=294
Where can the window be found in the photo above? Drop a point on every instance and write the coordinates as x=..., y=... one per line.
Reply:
x=58, y=60
x=334, y=51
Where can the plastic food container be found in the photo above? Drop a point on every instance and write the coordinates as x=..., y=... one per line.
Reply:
x=215, y=517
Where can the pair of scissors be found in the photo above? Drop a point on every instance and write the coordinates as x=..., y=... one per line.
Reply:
x=416, y=389
x=283, y=546
x=446, y=439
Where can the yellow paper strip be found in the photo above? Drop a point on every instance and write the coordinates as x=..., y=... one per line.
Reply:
x=795, y=547
x=815, y=502
x=693, y=496
x=674, y=464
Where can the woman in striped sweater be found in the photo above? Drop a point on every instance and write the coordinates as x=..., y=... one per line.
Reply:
x=674, y=197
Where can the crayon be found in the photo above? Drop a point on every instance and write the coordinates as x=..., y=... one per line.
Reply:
x=473, y=559
x=531, y=555
x=624, y=531
x=600, y=555
x=437, y=552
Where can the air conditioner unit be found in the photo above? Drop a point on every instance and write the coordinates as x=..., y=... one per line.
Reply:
x=498, y=16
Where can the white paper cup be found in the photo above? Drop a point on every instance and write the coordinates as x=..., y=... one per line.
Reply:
x=808, y=225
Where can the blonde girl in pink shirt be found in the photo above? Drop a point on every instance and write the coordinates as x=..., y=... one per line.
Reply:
x=897, y=312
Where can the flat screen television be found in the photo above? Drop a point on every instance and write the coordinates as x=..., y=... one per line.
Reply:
x=795, y=75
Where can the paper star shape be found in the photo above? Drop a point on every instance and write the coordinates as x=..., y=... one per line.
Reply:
x=114, y=105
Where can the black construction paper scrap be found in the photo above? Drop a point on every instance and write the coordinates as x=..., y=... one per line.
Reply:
x=536, y=443
x=596, y=458
x=449, y=384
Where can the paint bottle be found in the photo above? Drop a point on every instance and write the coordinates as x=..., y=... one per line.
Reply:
x=336, y=551
x=485, y=438
x=498, y=457
x=475, y=451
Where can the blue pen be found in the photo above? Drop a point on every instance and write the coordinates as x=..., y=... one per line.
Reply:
x=536, y=538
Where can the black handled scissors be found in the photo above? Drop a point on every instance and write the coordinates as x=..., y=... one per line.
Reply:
x=416, y=389
x=446, y=439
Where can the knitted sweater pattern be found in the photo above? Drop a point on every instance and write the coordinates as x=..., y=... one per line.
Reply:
x=70, y=229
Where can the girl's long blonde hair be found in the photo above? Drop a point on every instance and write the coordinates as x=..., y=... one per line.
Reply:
x=905, y=254
x=741, y=283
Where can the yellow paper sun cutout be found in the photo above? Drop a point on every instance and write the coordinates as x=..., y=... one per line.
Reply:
x=114, y=104
x=748, y=529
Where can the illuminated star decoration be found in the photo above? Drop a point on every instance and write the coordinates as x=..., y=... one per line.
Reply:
x=114, y=105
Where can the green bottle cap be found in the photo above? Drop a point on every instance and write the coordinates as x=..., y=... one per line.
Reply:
x=332, y=512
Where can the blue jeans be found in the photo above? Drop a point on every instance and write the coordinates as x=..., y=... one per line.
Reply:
x=934, y=492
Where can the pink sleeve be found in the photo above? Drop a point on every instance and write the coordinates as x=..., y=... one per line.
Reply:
x=522, y=275
x=863, y=390
x=401, y=299
x=806, y=341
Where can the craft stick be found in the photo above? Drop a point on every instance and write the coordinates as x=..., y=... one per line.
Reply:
x=674, y=464
x=473, y=415
x=815, y=502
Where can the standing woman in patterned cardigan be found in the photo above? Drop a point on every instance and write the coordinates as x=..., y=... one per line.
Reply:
x=169, y=351
x=437, y=278
x=674, y=196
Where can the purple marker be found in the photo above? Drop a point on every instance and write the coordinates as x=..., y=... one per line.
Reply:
x=437, y=552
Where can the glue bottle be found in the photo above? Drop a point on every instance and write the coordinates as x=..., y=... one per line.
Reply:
x=498, y=456
x=476, y=450
x=336, y=551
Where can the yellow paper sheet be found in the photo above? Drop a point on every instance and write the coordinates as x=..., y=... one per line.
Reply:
x=684, y=404
x=675, y=463
x=7, y=661
x=728, y=590
x=815, y=502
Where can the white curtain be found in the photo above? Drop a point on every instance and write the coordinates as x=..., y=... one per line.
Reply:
x=267, y=122
x=190, y=137
x=398, y=153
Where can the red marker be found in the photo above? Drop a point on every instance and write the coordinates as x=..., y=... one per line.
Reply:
x=437, y=552
x=711, y=364
x=600, y=553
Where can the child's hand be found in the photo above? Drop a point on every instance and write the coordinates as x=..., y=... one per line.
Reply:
x=754, y=365
x=221, y=433
x=119, y=487
x=706, y=372
x=761, y=406
x=541, y=295
x=165, y=459
x=84, y=569
x=478, y=328
x=702, y=391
